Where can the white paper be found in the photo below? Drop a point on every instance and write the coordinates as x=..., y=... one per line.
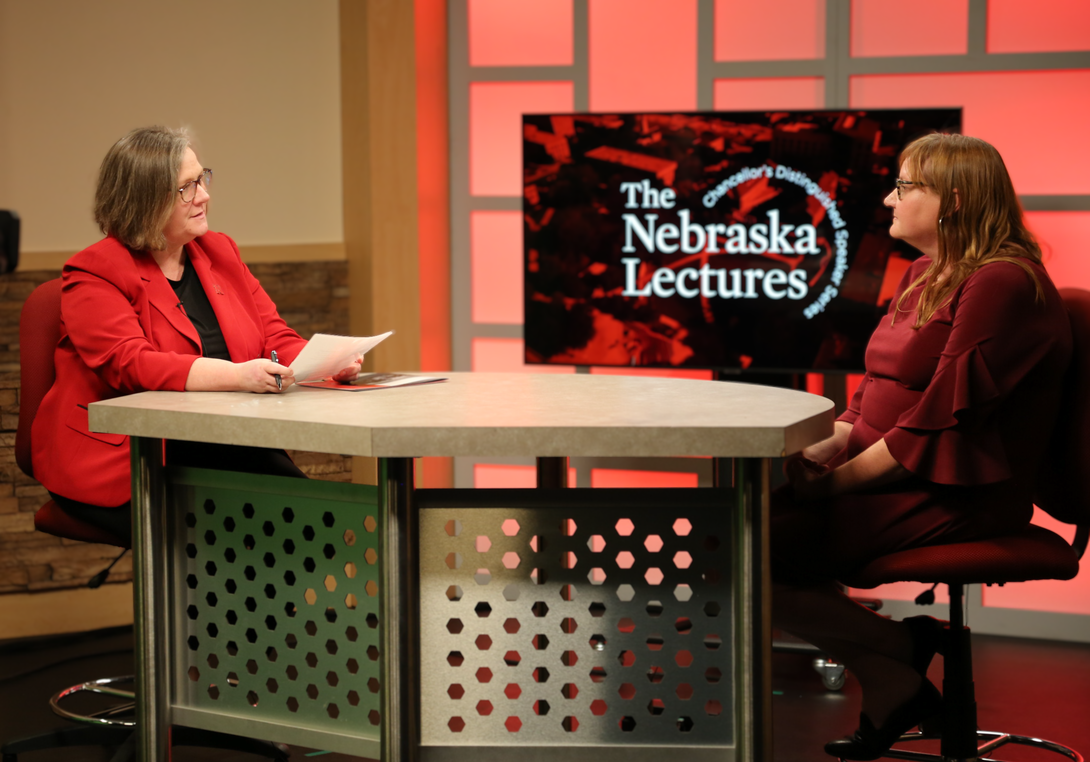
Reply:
x=326, y=355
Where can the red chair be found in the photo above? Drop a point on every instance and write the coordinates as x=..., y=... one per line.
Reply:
x=39, y=332
x=1034, y=554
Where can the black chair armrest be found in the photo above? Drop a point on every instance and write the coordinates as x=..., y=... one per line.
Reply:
x=1079, y=542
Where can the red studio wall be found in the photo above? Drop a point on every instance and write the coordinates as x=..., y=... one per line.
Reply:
x=645, y=55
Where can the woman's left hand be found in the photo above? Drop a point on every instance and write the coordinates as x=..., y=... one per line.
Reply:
x=810, y=479
x=348, y=375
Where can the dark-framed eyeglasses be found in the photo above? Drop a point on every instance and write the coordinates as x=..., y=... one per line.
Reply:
x=901, y=184
x=189, y=190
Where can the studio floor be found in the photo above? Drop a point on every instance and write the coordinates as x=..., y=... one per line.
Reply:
x=1029, y=687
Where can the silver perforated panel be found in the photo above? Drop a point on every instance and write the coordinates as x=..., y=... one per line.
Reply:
x=279, y=612
x=554, y=626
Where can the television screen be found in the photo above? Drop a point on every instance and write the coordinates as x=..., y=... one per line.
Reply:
x=741, y=241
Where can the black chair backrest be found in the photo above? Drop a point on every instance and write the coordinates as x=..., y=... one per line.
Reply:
x=1063, y=484
x=39, y=332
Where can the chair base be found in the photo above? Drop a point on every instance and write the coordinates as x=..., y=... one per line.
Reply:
x=987, y=742
x=104, y=728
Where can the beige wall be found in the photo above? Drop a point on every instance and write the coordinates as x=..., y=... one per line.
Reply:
x=256, y=80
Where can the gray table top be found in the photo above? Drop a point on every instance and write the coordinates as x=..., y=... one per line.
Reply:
x=490, y=415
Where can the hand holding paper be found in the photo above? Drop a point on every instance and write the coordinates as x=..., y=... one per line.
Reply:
x=325, y=355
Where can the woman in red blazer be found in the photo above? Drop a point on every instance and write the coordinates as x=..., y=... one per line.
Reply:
x=161, y=303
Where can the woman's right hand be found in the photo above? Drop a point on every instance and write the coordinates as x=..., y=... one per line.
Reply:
x=825, y=450
x=259, y=376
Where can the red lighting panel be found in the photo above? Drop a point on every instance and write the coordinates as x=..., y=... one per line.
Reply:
x=933, y=28
x=1015, y=26
x=496, y=272
x=611, y=477
x=495, y=476
x=1063, y=237
x=769, y=93
x=495, y=130
x=771, y=30
x=503, y=33
x=1034, y=118
x=505, y=356
x=642, y=55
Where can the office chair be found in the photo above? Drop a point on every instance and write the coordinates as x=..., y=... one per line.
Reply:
x=1033, y=554
x=39, y=332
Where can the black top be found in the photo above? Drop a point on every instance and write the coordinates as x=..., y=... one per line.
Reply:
x=194, y=302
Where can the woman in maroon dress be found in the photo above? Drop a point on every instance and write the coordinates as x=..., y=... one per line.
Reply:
x=942, y=440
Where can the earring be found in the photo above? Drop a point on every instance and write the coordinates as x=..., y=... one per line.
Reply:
x=940, y=220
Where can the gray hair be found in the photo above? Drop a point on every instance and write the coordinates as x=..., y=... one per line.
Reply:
x=136, y=185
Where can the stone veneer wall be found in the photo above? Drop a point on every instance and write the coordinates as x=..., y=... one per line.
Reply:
x=311, y=296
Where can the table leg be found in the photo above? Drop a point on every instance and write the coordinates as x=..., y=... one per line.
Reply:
x=401, y=596
x=753, y=622
x=150, y=599
x=552, y=472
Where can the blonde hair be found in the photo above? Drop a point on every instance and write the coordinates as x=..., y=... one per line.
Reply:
x=136, y=186
x=980, y=218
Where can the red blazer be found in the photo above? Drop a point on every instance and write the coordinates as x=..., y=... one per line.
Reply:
x=123, y=331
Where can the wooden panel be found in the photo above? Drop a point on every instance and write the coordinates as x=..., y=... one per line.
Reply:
x=53, y=612
x=378, y=115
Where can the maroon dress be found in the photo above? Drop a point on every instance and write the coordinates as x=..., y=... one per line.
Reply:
x=966, y=404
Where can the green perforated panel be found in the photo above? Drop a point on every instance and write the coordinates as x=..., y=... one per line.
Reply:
x=278, y=582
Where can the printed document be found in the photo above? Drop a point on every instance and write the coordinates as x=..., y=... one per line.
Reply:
x=326, y=355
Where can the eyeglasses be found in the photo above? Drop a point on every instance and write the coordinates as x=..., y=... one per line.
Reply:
x=189, y=190
x=901, y=185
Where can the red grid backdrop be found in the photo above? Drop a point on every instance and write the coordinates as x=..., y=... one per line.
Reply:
x=642, y=55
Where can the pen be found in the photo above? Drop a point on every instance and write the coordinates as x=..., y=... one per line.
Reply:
x=279, y=384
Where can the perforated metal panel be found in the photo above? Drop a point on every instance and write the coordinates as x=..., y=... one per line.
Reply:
x=556, y=625
x=278, y=583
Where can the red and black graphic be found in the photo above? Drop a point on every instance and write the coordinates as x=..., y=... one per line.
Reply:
x=749, y=241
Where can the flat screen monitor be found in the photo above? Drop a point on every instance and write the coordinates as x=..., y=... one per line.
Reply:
x=736, y=241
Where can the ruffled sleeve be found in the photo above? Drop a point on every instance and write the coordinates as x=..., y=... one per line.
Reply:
x=952, y=434
x=852, y=413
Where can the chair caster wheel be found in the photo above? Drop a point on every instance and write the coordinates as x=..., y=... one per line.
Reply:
x=832, y=674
